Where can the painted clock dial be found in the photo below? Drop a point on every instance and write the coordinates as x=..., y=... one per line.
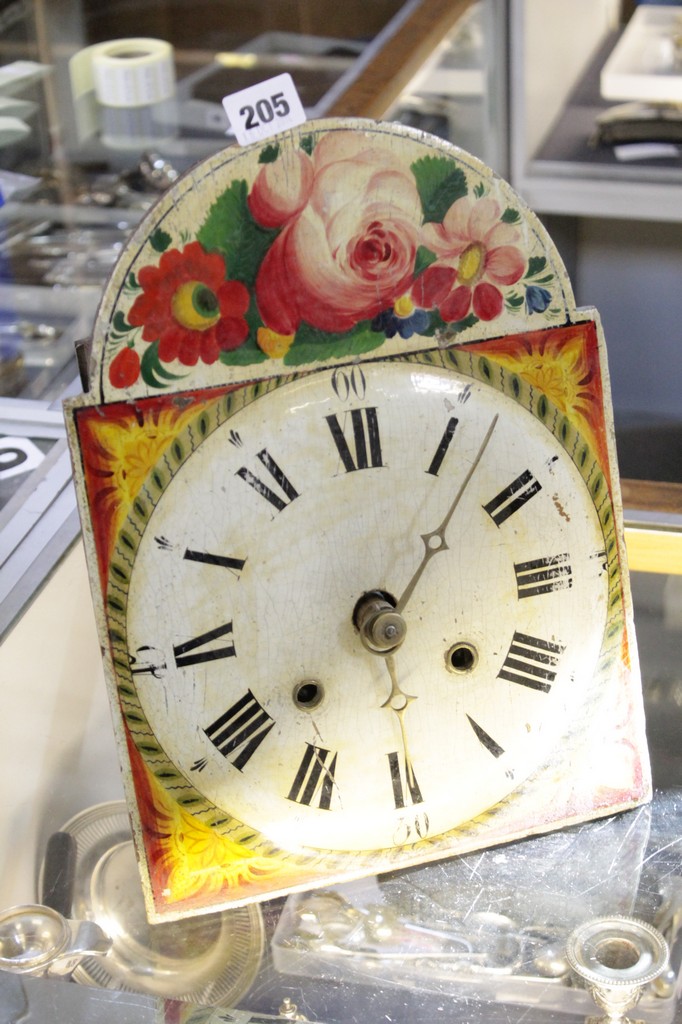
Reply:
x=349, y=492
x=249, y=580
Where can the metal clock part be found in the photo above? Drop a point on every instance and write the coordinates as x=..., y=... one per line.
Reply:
x=211, y=958
x=435, y=542
x=382, y=629
x=617, y=957
x=37, y=940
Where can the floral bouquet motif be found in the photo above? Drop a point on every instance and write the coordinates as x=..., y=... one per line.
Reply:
x=337, y=244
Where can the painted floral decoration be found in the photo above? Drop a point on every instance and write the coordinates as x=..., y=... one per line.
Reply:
x=480, y=250
x=121, y=450
x=189, y=306
x=563, y=365
x=334, y=247
x=348, y=252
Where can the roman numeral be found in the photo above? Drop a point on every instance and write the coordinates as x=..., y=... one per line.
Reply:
x=148, y=660
x=366, y=440
x=287, y=488
x=512, y=498
x=189, y=653
x=244, y=725
x=531, y=662
x=543, y=575
x=444, y=444
x=485, y=739
x=397, y=772
x=235, y=565
x=314, y=778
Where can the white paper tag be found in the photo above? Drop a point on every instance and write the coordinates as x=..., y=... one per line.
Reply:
x=646, y=151
x=265, y=109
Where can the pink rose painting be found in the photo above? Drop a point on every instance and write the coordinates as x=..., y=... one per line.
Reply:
x=349, y=253
x=337, y=243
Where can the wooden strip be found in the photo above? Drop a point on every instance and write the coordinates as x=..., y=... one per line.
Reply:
x=392, y=69
x=650, y=547
x=652, y=496
x=651, y=550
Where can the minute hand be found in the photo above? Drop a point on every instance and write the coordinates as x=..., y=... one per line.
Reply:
x=435, y=541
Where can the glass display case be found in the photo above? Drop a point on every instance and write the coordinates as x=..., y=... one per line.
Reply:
x=560, y=161
x=72, y=192
x=589, y=155
x=482, y=937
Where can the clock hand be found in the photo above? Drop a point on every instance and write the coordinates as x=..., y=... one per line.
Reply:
x=380, y=622
x=382, y=627
x=398, y=701
x=382, y=630
x=435, y=541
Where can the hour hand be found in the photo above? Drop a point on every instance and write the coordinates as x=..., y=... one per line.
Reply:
x=398, y=701
x=382, y=630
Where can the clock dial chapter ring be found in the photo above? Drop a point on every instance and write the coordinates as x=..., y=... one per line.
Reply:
x=274, y=704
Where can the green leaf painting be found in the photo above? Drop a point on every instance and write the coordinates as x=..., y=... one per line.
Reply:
x=230, y=230
x=312, y=344
x=440, y=183
x=160, y=240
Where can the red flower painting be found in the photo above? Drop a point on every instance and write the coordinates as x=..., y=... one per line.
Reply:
x=189, y=307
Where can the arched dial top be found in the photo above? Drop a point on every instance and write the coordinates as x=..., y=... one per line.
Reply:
x=335, y=239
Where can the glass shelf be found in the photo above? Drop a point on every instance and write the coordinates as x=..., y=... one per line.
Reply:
x=554, y=163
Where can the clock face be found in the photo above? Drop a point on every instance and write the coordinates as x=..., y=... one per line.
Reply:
x=395, y=493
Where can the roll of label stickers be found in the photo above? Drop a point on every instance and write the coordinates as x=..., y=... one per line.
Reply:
x=133, y=72
x=128, y=85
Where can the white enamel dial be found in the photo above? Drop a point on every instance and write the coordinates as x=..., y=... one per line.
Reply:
x=243, y=604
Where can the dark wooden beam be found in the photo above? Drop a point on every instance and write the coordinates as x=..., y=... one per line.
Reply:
x=393, y=67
